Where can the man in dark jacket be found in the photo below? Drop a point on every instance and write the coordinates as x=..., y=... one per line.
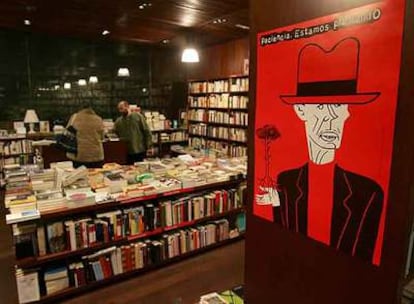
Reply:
x=133, y=128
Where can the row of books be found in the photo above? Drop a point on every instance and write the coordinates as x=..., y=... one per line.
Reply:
x=13, y=147
x=224, y=101
x=40, y=239
x=174, y=136
x=218, y=133
x=224, y=148
x=22, y=159
x=109, y=262
x=234, y=118
x=232, y=85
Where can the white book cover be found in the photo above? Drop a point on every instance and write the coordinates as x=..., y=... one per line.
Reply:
x=27, y=286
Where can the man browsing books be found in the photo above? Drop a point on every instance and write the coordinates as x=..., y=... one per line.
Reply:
x=133, y=128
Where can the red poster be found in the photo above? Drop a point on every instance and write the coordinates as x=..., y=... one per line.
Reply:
x=325, y=113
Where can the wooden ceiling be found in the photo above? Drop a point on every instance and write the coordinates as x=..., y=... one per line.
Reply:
x=159, y=20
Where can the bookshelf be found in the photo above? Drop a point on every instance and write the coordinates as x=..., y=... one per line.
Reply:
x=217, y=114
x=163, y=139
x=173, y=228
x=14, y=150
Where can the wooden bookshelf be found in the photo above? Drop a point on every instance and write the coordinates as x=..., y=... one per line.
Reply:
x=227, y=96
x=72, y=291
x=68, y=254
x=69, y=257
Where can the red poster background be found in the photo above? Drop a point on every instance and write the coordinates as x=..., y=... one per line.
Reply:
x=368, y=133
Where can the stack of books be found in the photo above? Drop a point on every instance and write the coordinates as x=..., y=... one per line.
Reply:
x=56, y=279
x=43, y=180
x=51, y=200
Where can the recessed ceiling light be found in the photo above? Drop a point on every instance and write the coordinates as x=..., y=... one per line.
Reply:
x=27, y=22
x=143, y=5
x=105, y=32
x=219, y=20
x=165, y=41
x=244, y=27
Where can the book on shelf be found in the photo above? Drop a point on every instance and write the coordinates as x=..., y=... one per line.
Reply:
x=23, y=216
x=56, y=279
x=27, y=282
x=25, y=240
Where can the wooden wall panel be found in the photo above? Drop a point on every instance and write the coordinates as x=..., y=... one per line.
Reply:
x=281, y=267
x=220, y=61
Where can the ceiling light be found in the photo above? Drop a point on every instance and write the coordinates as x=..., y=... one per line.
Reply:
x=144, y=5
x=105, y=32
x=67, y=85
x=244, y=27
x=219, y=20
x=82, y=82
x=123, y=72
x=27, y=22
x=93, y=79
x=165, y=41
x=190, y=55
x=57, y=87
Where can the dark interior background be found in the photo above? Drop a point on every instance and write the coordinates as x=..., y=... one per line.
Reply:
x=34, y=67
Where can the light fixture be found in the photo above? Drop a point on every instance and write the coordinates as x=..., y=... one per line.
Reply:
x=190, y=55
x=82, y=82
x=67, y=85
x=123, y=72
x=27, y=22
x=31, y=118
x=57, y=87
x=93, y=79
x=242, y=26
x=219, y=20
x=105, y=32
x=143, y=5
x=165, y=41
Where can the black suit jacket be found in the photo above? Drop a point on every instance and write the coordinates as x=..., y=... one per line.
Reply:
x=357, y=208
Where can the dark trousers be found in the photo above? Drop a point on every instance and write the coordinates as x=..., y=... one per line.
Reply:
x=136, y=157
x=98, y=164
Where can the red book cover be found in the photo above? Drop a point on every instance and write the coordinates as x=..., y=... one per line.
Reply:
x=80, y=275
x=124, y=258
x=106, y=233
x=109, y=266
x=104, y=266
x=128, y=258
x=133, y=266
x=226, y=206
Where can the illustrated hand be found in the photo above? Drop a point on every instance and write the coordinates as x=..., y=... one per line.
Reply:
x=270, y=196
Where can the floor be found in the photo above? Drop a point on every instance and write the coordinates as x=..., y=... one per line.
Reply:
x=180, y=283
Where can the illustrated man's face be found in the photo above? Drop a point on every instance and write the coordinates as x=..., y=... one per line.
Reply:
x=324, y=123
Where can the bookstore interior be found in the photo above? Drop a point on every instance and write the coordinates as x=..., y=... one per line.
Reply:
x=234, y=115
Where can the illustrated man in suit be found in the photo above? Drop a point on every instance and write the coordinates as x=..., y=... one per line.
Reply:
x=320, y=199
